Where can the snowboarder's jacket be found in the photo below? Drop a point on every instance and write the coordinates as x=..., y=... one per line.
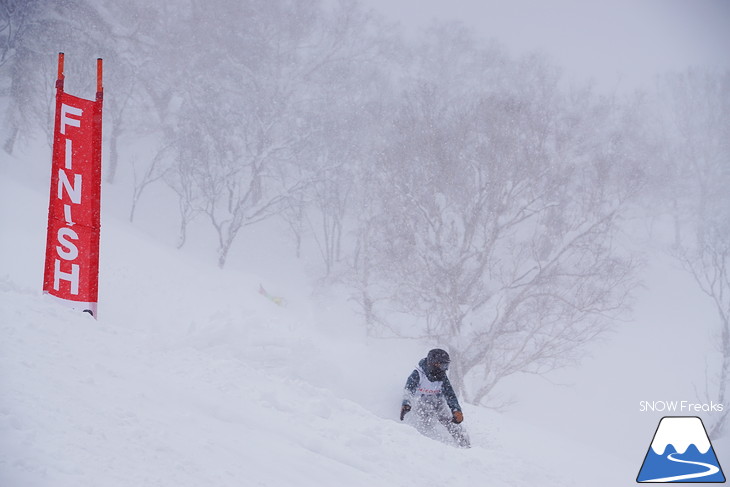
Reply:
x=426, y=384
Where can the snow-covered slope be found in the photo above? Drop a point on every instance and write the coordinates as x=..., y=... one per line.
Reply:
x=191, y=378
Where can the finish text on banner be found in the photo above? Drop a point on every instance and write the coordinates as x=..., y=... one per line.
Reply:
x=72, y=244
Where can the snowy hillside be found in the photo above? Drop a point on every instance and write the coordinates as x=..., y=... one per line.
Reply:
x=190, y=377
x=301, y=199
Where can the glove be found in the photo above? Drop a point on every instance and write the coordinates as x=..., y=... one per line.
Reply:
x=458, y=417
x=403, y=410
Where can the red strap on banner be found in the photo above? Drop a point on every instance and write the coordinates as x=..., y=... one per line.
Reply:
x=99, y=86
x=59, y=79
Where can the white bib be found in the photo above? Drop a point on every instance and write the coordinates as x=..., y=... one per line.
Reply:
x=427, y=387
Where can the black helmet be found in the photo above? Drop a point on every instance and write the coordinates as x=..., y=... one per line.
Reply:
x=438, y=360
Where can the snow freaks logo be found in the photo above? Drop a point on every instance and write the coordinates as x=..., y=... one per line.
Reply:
x=681, y=452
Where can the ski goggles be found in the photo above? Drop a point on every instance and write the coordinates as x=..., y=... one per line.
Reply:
x=443, y=366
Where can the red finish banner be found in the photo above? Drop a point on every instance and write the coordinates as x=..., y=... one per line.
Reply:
x=72, y=243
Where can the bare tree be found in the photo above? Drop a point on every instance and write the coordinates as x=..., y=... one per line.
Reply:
x=252, y=110
x=697, y=115
x=161, y=32
x=17, y=18
x=499, y=209
x=154, y=171
x=708, y=260
x=32, y=32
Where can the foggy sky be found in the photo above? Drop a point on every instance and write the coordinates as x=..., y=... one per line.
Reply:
x=620, y=44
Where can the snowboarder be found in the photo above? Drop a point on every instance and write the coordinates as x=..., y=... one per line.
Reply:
x=433, y=398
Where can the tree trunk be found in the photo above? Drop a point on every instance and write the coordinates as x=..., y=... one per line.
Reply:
x=111, y=171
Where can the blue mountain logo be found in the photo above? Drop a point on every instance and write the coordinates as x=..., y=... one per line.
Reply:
x=681, y=452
